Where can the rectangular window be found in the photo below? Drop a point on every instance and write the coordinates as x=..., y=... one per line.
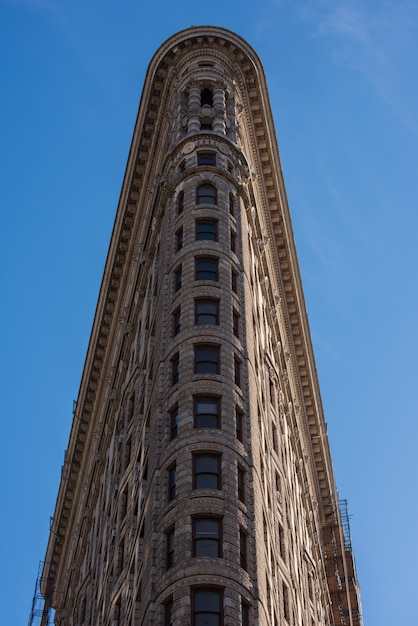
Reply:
x=234, y=281
x=180, y=202
x=175, y=369
x=231, y=203
x=176, y=321
x=206, y=471
x=172, y=482
x=206, y=311
x=245, y=613
x=237, y=372
x=233, y=241
x=207, y=609
x=207, y=537
x=179, y=239
x=206, y=268
x=169, y=537
x=206, y=412
x=241, y=484
x=178, y=278
x=174, y=421
x=239, y=424
x=206, y=359
x=168, y=613
x=235, y=323
x=243, y=548
x=206, y=194
x=206, y=230
x=206, y=158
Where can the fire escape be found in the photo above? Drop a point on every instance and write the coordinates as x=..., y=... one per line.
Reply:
x=341, y=571
x=42, y=613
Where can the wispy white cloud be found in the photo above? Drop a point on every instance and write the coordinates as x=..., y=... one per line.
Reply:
x=377, y=39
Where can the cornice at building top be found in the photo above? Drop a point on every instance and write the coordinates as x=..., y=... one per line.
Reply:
x=136, y=210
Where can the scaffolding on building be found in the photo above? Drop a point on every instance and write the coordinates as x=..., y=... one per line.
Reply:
x=42, y=613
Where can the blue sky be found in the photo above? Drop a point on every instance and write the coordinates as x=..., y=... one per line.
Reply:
x=342, y=77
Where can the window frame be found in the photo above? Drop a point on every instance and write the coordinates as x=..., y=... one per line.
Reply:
x=168, y=612
x=198, y=315
x=243, y=549
x=206, y=273
x=206, y=158
x=172, y=481
x=169, y=547
x=176, y=321
x=206, y=193
x=235, y=323
x=197, y=475
x=175, y=369
x=178, y=278
x=234, y=281
x=207, y=365
x=209, y=611
x=206, y=221
x=241, y=480
x=237, y=372
x=174, y=421
x=233, y=241
x=239, y=424
x=179, y=239
x=197, y=541
x=206, y=398
x=180, y=202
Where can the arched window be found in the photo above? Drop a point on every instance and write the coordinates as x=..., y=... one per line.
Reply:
x=206, y=194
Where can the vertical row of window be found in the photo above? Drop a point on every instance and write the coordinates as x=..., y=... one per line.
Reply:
x=207, y=602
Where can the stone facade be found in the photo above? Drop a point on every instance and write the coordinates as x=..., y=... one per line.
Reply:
x=197, y=486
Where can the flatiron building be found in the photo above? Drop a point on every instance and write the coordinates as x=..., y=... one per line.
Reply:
x=197, y=486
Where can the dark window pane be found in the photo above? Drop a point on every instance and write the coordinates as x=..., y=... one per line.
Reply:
x=234, y=281
x=207, y=230
x=207, y=537
x=178, y=278
x=206, y=97
x=206, y=194
x=179, y=239
x=206, y=471
x=172, y=481
x=174, y=421
x=206, y=311
x=180, y=202
x=207, y=360
x=206, y=158
x=207, y=600
x=176, y=321
x=206, y=268
x=206, y=412
x=175, y=369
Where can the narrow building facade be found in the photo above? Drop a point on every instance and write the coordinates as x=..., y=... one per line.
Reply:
x=197, y=487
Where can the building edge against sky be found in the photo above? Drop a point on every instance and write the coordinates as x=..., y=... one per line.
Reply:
x=198, y=482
